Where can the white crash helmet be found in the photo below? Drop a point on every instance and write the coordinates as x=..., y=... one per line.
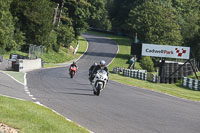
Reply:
x=102, y=63
x=95, y=64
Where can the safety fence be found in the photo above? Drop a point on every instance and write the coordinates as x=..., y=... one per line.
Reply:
x=35, y=51
x=190, y=83
x=139, y=74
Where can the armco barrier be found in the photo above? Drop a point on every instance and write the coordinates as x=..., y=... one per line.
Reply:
x=139, y=74
x=190, y=83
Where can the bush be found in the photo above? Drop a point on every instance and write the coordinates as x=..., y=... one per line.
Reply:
x=2, y=51
x=64, y=36
x=147, y=63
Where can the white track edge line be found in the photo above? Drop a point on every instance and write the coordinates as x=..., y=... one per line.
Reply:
x=37, y=102
x=12, y=78
x=13, y=97
x=63, y=116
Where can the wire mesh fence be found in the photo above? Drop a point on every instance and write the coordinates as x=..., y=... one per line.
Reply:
x=35, y=51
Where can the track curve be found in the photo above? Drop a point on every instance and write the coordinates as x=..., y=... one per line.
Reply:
x=119, y=108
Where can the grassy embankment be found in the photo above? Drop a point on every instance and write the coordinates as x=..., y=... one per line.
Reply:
x=28, y=117
x=121, y=61
x=52, y=58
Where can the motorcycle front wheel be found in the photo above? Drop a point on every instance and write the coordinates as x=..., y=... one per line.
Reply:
x=99, y=87
x=72, y=74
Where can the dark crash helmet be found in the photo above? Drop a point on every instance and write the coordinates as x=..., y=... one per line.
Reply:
x=74, y=63
x=102, y=63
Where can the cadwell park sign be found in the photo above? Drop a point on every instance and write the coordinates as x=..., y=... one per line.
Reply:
x=165, y=51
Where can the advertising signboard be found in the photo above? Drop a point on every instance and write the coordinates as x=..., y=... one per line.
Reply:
x=166, y=51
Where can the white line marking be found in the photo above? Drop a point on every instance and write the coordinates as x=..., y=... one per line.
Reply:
x=27, y=90
x=12, y=77
x=13, y=97
x=37, y=102
x=34, y=99
x=115, y=54
x=62, y=116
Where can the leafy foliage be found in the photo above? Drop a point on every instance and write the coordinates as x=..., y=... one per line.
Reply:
x=154, y=23
x=35, y=19
x=65, y=35
x=6, y=26
x=99, y=15
x=189, y=18
x=147, y=63
x=78, y=11
x=168, y=22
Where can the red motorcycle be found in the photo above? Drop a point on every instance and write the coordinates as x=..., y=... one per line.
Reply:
x=72, y=71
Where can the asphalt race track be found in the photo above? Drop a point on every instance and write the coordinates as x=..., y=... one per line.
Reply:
x=119, y=108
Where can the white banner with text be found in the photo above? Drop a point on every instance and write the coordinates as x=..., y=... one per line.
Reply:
x=165, y=51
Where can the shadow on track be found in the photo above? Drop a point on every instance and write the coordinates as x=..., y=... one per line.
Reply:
x=71, y=93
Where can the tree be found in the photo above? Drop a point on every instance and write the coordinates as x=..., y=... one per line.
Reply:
x=195, y=47
x=65, y=36
x=99, y=15
x=34, y=18
x=118, y=12
x=77, y=11
x=6, y=27
x=189, y=19
x=154, y=23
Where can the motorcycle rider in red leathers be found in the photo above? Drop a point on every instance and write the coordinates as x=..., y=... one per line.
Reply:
x=72, y=65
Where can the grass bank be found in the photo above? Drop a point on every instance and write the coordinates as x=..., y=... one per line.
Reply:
x=28, y=117
x=53, y=59
x=121, y=61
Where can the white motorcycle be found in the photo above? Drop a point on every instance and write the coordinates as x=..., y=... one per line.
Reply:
x=99, y=82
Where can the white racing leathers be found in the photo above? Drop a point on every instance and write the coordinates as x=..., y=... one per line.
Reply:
x=100, y=81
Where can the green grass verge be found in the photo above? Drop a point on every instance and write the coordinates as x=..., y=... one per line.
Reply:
x=82, y=47
x=7, y=55
x=28, y=117
x=52, y=59
x=121, y=61
x=172, y=89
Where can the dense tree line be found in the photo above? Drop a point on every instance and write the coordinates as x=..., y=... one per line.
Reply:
x=56, y=23
x=51, y=23
x=166, y=22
